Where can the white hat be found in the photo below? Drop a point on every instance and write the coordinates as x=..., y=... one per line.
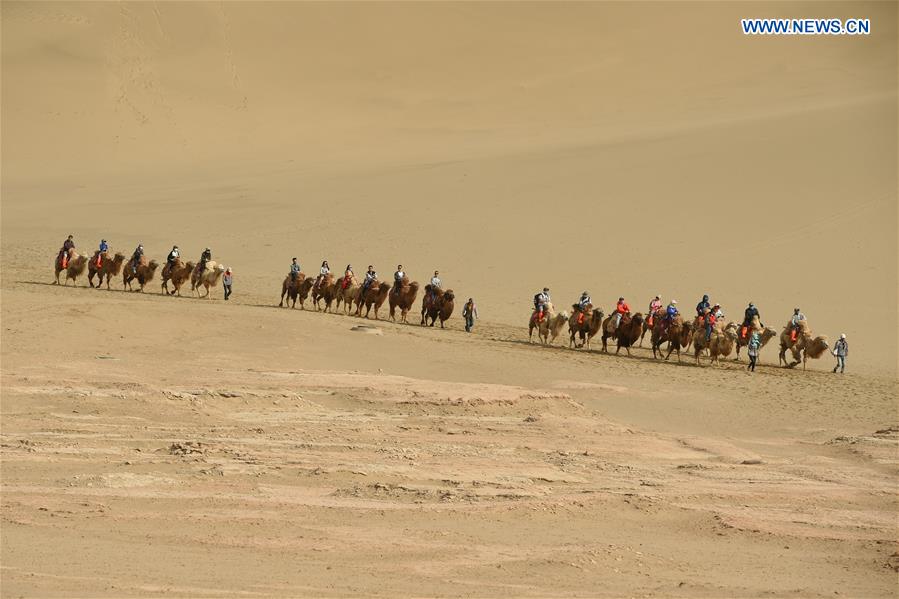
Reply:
x=842, y=335
x=673, y=301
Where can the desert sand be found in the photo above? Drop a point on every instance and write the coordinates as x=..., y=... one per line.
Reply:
x=154, y=445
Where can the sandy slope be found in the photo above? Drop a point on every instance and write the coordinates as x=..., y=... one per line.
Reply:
x=155, y=444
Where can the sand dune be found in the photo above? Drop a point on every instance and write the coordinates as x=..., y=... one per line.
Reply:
x=626, y=149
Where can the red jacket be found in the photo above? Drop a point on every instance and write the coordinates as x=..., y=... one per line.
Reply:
x=623, y=308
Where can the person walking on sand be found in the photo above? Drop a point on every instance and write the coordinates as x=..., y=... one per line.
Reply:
x=841, y=350
x=469, y=313
x=226, y=282
x=755, y=343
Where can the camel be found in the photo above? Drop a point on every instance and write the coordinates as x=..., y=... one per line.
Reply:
x=291, y=288
x=426, y=302
x=804, y=347
x=404, y=298
x=677, y=334
x=626, y=335
x=178, y=274
x=722, y=343
x=303, y=291
x=325, y=291
x=209, y=278
x=766, y=334
x=375, y=296
x=548, y=328
x=719, y=345
x=144, y=274
x=347, y=292
x=74, y=268
x=441, y=307
x=650, y=322
x=108, y=268
x=587, y=329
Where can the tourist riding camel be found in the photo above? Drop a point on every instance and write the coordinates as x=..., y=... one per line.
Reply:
x=398, y=277
x=548, y=326
x=802, y=346
x=143, y=273
x=749, y=315
x=795, y=319
x=370, y=276
x=102, y=253
x=170, y=261
x=205, y=257
x=348, y=277
x=585, y=324
x=435, y=285
x=75, y=266
x=405, y=299
x=626, y=332
x=621, y=310
x=136, y=258
x=703, y=305
x=675, y=332
x=323, y=272
x=580, y=307
x=177, y=274
x=65, y=253
x=654, y=312
x=104, y=269
x=441, y=307
x=541, y=301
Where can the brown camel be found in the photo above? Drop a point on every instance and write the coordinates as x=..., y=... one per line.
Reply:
x=404, y=299
x=375, y=296
x=75, y=267
x=766, y=334
x=304, y=290
x=627, y=333
x=548, y=328
x=207, y=279
x=426, y=301
x=804, y=347
x=107, y=269
x=347, y=292
x=586, y=327
x=291, y=288
x=143, y=273
x=177, y=274
x=677, y=333
x=650, y=322
x=442, y=307
x=326, y=291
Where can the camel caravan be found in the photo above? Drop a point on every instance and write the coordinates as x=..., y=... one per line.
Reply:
x=707, y=334
x=328, y=293
x=710, y=336
x=202, y=275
